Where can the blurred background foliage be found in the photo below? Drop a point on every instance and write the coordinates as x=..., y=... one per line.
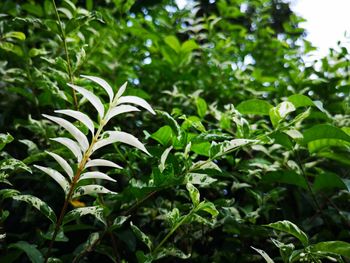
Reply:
x=213, y=72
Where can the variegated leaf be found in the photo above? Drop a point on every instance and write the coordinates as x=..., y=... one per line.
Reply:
x=118, y=136
x=119, y=110
x=71, y=145
x=57, y=176
x=101, y=162
x=137, y=101
x=96, y=175
x=91, y=189
x=63, y=163
x=38, y=204
x=74, y=131
x=103, y=84
x=82, y=211
x=163, y=158
x=94, y=100
x=83, y=118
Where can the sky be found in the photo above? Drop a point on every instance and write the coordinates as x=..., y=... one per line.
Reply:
x=327, y=21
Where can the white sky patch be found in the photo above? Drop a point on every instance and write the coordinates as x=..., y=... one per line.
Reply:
x=327, y=22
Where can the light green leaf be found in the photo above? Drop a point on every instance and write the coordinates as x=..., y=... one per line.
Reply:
x=14, y=164
x=292, y=229
x=15, y=34
x=201, y=107
x=170, y=251
x=337, y=247
x=142, y=236
x=254, y=106
x=194, y=193
x=208, y=207
x=31, y=251
x=300, y=100
x=173, y=42
x=5, y=139
x=163, y=135
x=44, y=208
x=188, y=46
x=200, y=179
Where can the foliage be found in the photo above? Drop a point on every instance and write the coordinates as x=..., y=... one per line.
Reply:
x=247, y=148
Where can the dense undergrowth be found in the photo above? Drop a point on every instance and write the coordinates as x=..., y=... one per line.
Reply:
x=242, y=155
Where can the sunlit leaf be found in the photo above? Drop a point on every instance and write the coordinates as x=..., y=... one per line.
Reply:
x=57, y=176
x=336, y=247
x=142, y=236
x=96, y=175
x=264, y=255
x=82, y=211
x=103, y=84
x=92, y=98
x=163, y=158
x=83, y=118
x=194, y=193
x=63, y=163
x=119, y=110
x=137, y=101
x=102, y=162
x=71, y=145
x=91, y=190
x=254, y=106
x=74, y=131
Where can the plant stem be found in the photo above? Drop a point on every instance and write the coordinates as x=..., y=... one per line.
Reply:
x=183, y=220
x=72, y=186
x=69, y=67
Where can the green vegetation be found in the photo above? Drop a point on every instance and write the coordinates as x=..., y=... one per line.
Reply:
x=224, y=145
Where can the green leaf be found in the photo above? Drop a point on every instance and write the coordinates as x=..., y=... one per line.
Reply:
x=328, y=180
x=208, y=207
x=201, y=107
x=164, y=135
x=338, y=247
x=44, y=208
x=5, y=139
x=142, y=236
x=287, y=177
x=300, y=100
x=292, y=229
x=118, y=222
x=324, y=135
x=194, y=193
x=199, y=179
x=264, y=255
x=173, y=42
x=254, y=106
x=31, y=251
x=15, y=34
x=188, y=46
x=341, y=158
x=170, y=251
x=280, y=112
x=8, y=193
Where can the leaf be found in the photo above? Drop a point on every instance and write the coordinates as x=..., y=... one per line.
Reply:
x=287, y=177
x=83, y=118
x=328, y=180
x=194, y=194
x=63, y=163
x=337, y=247
x=200, y=179
x=71, y=145
x=163, y=135
x=118, y=136
x=96, y=175
x=235, y=143
x=103, y=84
x=118, y=222
x=82, y=211
x=74, y=131
x=163, y=158
x=5, y=139
x=119, y=110
x=173, y=42
x=137, y=101
x=323, y=136
x=170, y=251
x=101, y=162
x=264, y=255
x=38, y=204
x=8, y=193
x=208, y=207
x=300, y=100
x=120, y=91
x=15, y=34
x=57, y=176
x=254, y=106
x=290, y=228
x=91, y=190
x=31, y=251
x=92, y=98
x=201, y=107
x=141, y=236
x=13, y=164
